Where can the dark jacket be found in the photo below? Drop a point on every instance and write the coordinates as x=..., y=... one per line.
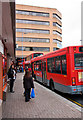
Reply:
x=28, y=82
x=10, y=73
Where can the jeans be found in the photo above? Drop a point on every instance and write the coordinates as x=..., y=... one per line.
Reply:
x=27, y=94
x=11, y=84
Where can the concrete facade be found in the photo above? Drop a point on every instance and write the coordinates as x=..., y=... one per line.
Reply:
x=38, y=28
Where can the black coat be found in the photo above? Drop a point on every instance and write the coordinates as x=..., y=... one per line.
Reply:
x=10, y=73
x=28, y=82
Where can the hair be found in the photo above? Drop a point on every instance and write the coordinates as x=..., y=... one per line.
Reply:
x=27, y=74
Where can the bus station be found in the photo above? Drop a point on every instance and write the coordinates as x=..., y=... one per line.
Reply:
x=31, y=43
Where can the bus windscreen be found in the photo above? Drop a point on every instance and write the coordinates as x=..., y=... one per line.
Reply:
x=80, y=49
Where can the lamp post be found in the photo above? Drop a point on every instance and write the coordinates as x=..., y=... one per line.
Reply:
x=81, y=42
x=22, y=50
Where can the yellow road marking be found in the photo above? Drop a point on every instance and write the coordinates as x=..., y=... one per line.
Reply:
x=76, y=102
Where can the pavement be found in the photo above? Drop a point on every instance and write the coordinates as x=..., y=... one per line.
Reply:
x=0, y=109
x=46, y=104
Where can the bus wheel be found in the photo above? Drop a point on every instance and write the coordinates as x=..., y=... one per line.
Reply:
x=51, y=85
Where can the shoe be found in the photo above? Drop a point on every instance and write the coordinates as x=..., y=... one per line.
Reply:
x=26, y=100
x=12, y=91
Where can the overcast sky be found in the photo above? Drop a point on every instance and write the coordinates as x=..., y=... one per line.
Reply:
x=71, y=17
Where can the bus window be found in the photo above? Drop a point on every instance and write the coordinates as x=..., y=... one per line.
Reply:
x=64, y=65
x=50, y=65
x=37, y=54
x=38, y=66
x=58, y=65
x=34, y=66
x=78, y=60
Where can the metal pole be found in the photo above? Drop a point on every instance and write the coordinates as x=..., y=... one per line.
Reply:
x=22, y=53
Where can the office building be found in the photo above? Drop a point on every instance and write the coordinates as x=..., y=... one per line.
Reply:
x=38, y=29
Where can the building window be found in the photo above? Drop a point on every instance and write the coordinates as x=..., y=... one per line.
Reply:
x=44, y=49
x=57, y=33
x=56, y=41
x=59, y=45
x=32, y=13
x=32, y=22
x=32, y=30
x=56, y=16
x=40, y=40
x=56, y=24
x=54, y=49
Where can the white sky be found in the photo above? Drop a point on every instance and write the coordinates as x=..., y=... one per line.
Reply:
x=71, y=17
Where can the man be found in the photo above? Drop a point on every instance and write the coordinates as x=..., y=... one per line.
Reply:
x=12, y=77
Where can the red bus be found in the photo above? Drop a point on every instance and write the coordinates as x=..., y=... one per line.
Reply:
x=61, y=70
x=27, y=62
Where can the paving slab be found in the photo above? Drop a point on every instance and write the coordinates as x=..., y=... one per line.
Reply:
x=46, y=104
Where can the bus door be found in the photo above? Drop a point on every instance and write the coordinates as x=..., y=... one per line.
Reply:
x=32, y=68
x=44, y=76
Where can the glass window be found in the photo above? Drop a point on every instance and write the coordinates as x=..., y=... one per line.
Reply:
x=57, y=65
x=34, y=65
x=78, y=60
x=37, y=54
x=56, y=16
x=56, y=24
x=56, y=32
x=37, y=66
x=51, y=65
x=54, y=49
x=32, y=30
x=80, y=49
x=56, y=41
x=32, y=22
x=64, y=65
x=28, y=57
x=32, y=13
x=46, y=49
x=25, y=39
x=59, y=45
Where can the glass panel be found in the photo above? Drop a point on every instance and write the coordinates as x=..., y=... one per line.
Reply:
x=32, y=31
x=57, y=33
x=58, y=65
x=33, y=39
x=56, y=16
x=37, y=54
x=32, y=22
x=78, y=60
x=56, y=24
x=54, y=49
x=64, y=65
x=33, y=49
x=32, y=13
x=38, y=66
x=51, y=65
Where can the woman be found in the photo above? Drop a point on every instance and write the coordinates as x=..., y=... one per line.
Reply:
x=28, y=84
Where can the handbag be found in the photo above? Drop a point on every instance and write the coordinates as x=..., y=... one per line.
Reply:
x=32, y=93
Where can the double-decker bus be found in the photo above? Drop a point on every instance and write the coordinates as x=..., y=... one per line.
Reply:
x=27, y=62
x=61, y=70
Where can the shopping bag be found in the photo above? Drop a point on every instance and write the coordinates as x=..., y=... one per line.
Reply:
x=32, y=93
